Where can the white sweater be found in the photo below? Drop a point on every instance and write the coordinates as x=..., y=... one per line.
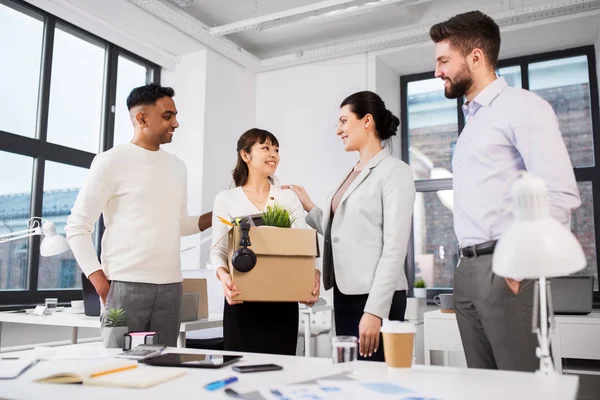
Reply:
x=233, y=203
x=142, y=195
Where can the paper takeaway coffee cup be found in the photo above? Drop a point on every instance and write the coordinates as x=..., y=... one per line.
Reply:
x=398, y=340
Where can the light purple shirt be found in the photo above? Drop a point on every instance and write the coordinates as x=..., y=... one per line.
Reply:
x=507, y=130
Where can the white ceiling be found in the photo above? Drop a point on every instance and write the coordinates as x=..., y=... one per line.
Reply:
x=388, y=28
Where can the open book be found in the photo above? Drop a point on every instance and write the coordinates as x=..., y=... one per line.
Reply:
x=117, y=373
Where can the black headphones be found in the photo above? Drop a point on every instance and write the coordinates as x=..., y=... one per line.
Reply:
x=244, y=259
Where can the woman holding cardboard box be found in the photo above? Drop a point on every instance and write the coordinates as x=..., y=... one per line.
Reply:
x=366, y=226
x=262, y=327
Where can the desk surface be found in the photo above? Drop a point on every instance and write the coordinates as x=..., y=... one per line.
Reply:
x=441, y=382
x=592, y=318
x=438, y=314
x=63, y=318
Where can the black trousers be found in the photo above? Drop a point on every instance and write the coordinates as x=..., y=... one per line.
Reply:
x=349, y=309
x=261, y=327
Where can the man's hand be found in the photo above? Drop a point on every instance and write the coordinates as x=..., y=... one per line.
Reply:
x=229, y=288
x=316, y=291
x=101, y=284
x=513, y=285
x=307, y=203
x=368, y=332
x=205, y=221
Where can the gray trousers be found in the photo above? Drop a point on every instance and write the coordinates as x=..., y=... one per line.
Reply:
x=494, y=323
x=149, y=307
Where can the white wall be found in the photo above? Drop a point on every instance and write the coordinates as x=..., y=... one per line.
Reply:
x=387, y=86
x=189, y=81
x=300, y=105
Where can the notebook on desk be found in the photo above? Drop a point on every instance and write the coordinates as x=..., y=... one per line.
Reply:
x=116, y=373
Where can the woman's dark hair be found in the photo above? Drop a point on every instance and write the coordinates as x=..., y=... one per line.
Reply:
x=245, y=143
x=363, y=103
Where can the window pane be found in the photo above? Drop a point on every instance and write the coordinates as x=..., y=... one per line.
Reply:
x=61, y=186
x=565, y=85
x=75, y=113
x=21, y=43
x=433, y=128
x=435, y=245
x=582, y=225
x=15, y=201
x=130, y=75
x=512, y=75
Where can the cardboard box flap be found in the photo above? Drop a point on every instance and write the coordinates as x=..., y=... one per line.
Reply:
x=280, y=241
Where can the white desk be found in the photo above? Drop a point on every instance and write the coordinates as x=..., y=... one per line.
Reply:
x=441, y=382
x=76, y=321
x=309, y=311
x=440, y=333
x=574, y=336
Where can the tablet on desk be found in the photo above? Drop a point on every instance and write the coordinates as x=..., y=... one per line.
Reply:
x=192, y=360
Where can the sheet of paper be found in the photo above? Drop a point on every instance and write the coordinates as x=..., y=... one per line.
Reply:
x=13, y=367
x=342, y=390
x=80, y=352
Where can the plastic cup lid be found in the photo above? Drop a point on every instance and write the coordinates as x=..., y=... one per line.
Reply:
x=397, y=327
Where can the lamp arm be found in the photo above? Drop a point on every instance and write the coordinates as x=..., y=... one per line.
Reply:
x=21, y=234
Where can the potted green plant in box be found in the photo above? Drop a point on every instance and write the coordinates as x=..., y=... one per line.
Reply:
x=420, y=289
x=277, y=216
x=115, y=328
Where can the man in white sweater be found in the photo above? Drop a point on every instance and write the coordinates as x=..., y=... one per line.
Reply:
x=142, y=192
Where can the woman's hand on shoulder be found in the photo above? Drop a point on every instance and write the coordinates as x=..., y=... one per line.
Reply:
x=307, y=203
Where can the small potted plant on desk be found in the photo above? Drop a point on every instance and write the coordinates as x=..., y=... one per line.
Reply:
x=115, y=328
x=420, y=289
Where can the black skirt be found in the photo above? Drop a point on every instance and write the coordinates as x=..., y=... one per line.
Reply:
x=261, y=327
x=349, y=309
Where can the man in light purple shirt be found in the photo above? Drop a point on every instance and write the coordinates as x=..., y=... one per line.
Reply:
x=507, y=130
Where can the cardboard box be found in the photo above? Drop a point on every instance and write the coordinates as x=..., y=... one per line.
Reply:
x=196, y=285
x=285, y=265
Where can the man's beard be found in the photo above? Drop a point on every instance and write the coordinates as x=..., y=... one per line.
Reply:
x=459, y=86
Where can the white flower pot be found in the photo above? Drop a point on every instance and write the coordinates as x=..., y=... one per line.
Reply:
x=114, y=337
x=420, y=293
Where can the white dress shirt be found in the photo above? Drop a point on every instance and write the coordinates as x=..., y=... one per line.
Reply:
x=507, y=130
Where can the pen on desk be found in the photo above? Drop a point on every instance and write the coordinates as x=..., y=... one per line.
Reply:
x=220, y=384
x=111, y=371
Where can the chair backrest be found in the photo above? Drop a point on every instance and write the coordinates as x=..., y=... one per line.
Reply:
x=320, y=321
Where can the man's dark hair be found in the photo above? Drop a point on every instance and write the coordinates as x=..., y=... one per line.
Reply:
x=470, y=31
x=148, y=94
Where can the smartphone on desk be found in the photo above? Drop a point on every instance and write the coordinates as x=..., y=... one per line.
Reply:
x=257, y=368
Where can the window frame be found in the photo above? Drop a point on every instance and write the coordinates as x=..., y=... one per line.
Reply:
x=586, y=173
x=41, y=150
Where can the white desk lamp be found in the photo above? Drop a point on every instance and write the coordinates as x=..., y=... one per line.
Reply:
x=52, y=244
x=536, y=246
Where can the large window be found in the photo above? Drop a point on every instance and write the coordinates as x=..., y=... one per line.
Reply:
x=430, y=126
x=63, y=91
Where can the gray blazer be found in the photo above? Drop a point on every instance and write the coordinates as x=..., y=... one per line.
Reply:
x=368, y=235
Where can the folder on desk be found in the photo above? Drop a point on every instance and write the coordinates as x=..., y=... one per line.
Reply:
x=117, y=373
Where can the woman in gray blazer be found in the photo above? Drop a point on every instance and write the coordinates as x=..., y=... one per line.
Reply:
x=366, y=225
